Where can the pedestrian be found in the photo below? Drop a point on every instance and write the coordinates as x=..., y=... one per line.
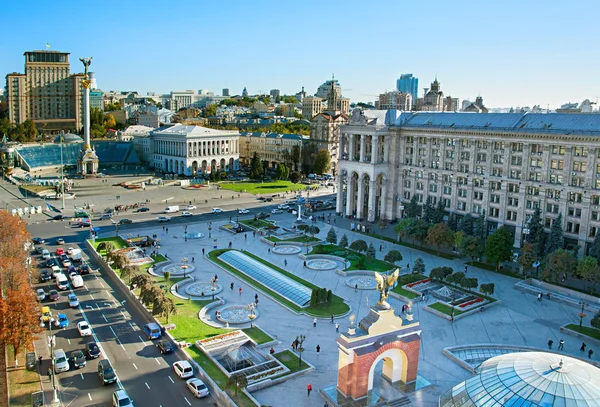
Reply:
x=245, y=236
x=309, y=389
x=40, y=360
x=255, y=297
x=256, y=303
x=231, y=286
x=561, y=344
x=356, y=287
x=254, y=233
x=539, y=297
x=193, y=259
x=466, y=268
x=285, y=262
x=315, y=323
x=318, y=350
x=326, y=404
x=230, y=244
x=337, y=327
x=269, y=250
x=408, y=266
x=380, y=247
x=590, y=353
x=331, y=319
x=167, y=230
x=271, y=351
x=583, y=345
x=163, y=228
x=293, y=345
x=203, y=251
x=240, y=290
x=304, y=263
x=49, y=373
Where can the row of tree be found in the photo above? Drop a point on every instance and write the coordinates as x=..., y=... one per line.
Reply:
x=317, y=162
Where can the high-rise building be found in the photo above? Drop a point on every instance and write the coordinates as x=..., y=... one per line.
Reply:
x=46, y=93
x=225, y=92
x=274, y=94
x=395, y=100
x=311, y=106
x=407, y=83
x=245, y=93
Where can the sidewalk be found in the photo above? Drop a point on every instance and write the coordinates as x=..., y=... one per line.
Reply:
x=42, y=349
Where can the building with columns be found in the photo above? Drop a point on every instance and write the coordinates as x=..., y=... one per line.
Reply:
x=507, y=164
x=192, y=150
x=271, y=147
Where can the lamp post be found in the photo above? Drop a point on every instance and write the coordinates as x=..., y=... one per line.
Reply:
x=251, y=314
x=209, y=229
x=582, y=314
x=299, y=348
x=185, y=232
x=184, y=266
x=62, y=170
x=51, y=344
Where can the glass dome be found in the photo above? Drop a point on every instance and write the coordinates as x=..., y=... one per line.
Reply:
x=528, y=379
x=68, y=138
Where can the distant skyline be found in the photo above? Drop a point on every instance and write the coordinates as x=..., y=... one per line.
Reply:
x=513, y=53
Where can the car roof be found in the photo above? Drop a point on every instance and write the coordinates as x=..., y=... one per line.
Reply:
x=121, y=394
x=183, y=363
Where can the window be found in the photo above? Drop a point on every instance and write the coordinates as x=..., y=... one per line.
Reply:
x=516, y=160
x=477, y=209
x=478, y=196
x=535, y=176
x=422, y=151
x=581, y=151
x=450, y=142
x=447, y=190
x=463, y=168
x=557, y=164
x=593, y=231
x=433, y=176
x=410, y=140
x=516, y=147
x=419, y=174
x=447, y=202
x=477, y=182
x=406, y=195
x=494, y=212
x=574, y=212
x=498, y=159
x=531, y=190
x=516, y=174
x=536, y=162
x=555, y=179
x=513, y=201
x=409, y=150
x=481, y=157
x=482, y=144
x=435, y=153
x=435, y=165
x=419, y=197
x=533, y=204
x=420, y=186
x=556, y=149
x=433, y=199
x=465, y=156
x=511, y=216
x=479, y=170
x=498, y=145
x=465, y=143
x=595, y=199
x=408, y=161
x=462, y=193
x=462, y=180
x=580, y=166
x=537, y=149
x=407, y=183
x=497, y=172
x=450, y=154
x=577, y=181
x=495, y=185
x=595, y=215
x=575, y=197
x=449, y=166
x=422, y=140
x=447, y=178
x=572, y=227
x=553, y=193
x=513, y=188
x=495, y=198
x=432, y=188
x=552, y=208
x=461, y=206
x=435, y=142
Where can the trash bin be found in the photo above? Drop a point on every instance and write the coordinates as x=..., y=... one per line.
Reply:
x=30, y=361
x=37, y=399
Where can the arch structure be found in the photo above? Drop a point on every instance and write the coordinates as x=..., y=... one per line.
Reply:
x=379, y=336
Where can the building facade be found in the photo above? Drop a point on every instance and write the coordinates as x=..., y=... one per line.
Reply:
x=433, y=100
x=311, y=106
x=192, y=150
x=395, y=100
x=507, y=164
x=407, y=83
x=46, y=93
x=271, y=147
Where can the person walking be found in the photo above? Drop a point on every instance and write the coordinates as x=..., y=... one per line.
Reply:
x=356, y=287
x=230, y=244
x=285, y=262
x=466, y=268
x=240, y=290
x=583, y=345
x=590, y=353
x=309, y=389
x=314, y=322
x=337, y=327
x=318, y=350
x=40, y=360
x=293, y=345
x=561, y=344
x=550, y=342
x=255, y=297
x=203, y=251
x=167, y=230
x=231, y=286
x=539, y=297
x=326, y=404
x=331, y=319
x=49, y=374
x=269, y=250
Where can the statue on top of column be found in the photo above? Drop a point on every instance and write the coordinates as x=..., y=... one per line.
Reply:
x=86, y=63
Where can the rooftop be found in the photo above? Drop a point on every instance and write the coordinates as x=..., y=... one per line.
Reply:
x=191, y=131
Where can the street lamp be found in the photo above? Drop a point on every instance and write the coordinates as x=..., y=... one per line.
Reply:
x=184, y=266
x=185, y=232
x=209, y=229
x=251, y=314
x=62, y=170
x=51, y=344
x=582, y=314
x=300, y=339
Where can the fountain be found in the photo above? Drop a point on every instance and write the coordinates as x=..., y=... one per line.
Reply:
x=286, y=249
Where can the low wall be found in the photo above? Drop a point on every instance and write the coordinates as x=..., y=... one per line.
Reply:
x=564, y=291
x=463, y=314
x=584, y=338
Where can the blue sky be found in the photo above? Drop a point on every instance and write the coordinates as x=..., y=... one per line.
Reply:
x=513, y=53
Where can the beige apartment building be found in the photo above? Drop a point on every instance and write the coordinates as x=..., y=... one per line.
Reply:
x=506, y=164
x=46, y=93
x=272, y=147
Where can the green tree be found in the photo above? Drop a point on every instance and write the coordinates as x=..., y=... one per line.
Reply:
x=528, y=256
x=295, y=177
x=498, y=247
x=595, y=249
x=487, y=288
x=536, y=229
x=295, y=157
x=418, y=230
x=557, y=264
x=322, y=161
x=167, y=275
x=418, y=266
x=480, y=228
x=452, y=222
x=343, y=242
x=257, y=170
x=437, y=273
x=359, y=246
x=164, y=306
x=140, y=280
x=469, y=283
x=556, y=238
x=128, y=271
x=238, y=381
x=456, y=278
x=588, y=270
x=403, y=227
x=596, y=321
x=440, y=212
x=282, y=172
x=393, y=256
x=440, y=235
x=413, y=210
x=471, y=247
x=466, y=224
x=331, y=236
x=429, y=211
x=210, y=110
x=107, y=247
x=371, y=251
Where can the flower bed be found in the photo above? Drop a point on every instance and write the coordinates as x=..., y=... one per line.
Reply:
x=264, y=375
x=222, y=337
x=411, y=285
x=472, y=302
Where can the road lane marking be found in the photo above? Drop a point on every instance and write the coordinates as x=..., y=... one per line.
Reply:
x=96, y=277
x=81, y=374
x=90, y=396
x=147, y=385
x=171, y=379
x=157, y=361
x=145, y=344
x=136, y=368
x=104, y=316
x=92, y=296
x=107, y=304
x=101, y=285
x=98, y=306
x=68, y=340
x=187, y=401
x=89, y=306
x=118, y=341
x=132, y=327
x=124, y=316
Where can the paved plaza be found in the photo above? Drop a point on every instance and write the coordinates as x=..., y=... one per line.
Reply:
x=519, y=321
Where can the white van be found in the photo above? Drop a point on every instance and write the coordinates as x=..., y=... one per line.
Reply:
x=77, y=281
x=61, y=281
x=61, y=363
x=171, y=209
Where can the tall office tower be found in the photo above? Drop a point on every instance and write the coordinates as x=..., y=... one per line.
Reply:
x=46, y=93
x=245, y=93
x=274, y=94
x=225, y=92
x=408, y=84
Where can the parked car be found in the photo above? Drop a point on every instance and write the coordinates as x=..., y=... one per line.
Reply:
x=263, y=215
x=125, y=221
x=50, y=261
x=53, y=295
x=41, y=294
x=45, y=276
x=84, y=329
x=60, y=251
x=84, y=269
x=243, y=211
x=183, y=369
x=61, y=321
x=217, y=210
x=121, y=399
x=276, y=211
x=142, y=209
x=93, y=350
x=106, y=372
x=165, y=346
x=164, y=219
x=190, y=207
x=66, y=263
x=283, y=206
x=197, y=387
x=38, y=240
x=60, y=241
x=61, y=363
x=186, y=214
x=78, y=359
x=73, y=301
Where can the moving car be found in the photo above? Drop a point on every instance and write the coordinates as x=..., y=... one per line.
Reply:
x=197, y=387
x=84, y=329
x=84, y=269
x=125, y=221
x=243, y=211
x=186, y=214
x=61, y=281
x=164, y=219
x=60, y=240
x=121, y=399
x=78, y=359
x=171, y=209
x=105, y=216
x=152, y=330
x=217, y=210
x=106, y=372
x=190, y=207
x=41, y=294
x=61, y=363
x=283, y=206
x=183, y=369
x=291, y=202
x=142, y=209
x=73, y=301
x=276, y=211
x=61, y=321
x=53, y=295
x=262, y=215
x=38, y=240
x=93, y=350
x=165, y=346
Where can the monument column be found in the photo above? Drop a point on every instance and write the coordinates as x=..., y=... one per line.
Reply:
x=375, y=150
x=372, y=199
x=350, y=196
x=339, y=203
x=87, y=163
x=360, y=201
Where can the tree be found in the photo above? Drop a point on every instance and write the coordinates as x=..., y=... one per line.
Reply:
x=440, y=212
x=393, y=256
x=556, y=264
x=109, y=121
x=437, y=273
x=418, y=230
x=322, y=161
x=456, y=278
x=487, y=288
x=19, y=311
x=128, y=271
x=440, y=235
x=498, y=247
x=295, y=157
x=371, y=251
x=295, y=177
x=282, y=172
x=164, y=306
x=418, y=266
x=167, y=275
x=139, y=280
x=469, y=283
x=331, y=236
x=480, y=228
x=588, y=270
x=238, y=381
x=466, y=224
x=596, y=321
x=471, y=247
x=313, y=230
x=536, y=229
x=403, y=227
x=452, y=222
x=210, y=110
x=556, y=238
x=429, y=211
x=257, y=170
x=413, y=210
x=343, y=241
x=528, y=256
x=595, y=249
x=359, y=246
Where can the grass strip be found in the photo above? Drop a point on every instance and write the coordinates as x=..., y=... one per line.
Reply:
x=267, y=187
x=21, y=382
x=358, y=261
x=445, y=309
x=290, y=360
x=585, y=330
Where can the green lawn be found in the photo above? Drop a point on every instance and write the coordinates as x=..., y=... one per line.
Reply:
x=117, y=241
x=299, y=239
x=445, y=309
x=159, y=258
x=258, y=335
x=218, y=377
x=491, y=267
x=290, y=360
x=267, y=187
x=336, y=307
x=257, y=223
x=358, y=261
x=21, y=382
x=585, y=330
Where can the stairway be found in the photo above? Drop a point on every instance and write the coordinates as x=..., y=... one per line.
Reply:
x=402, y=401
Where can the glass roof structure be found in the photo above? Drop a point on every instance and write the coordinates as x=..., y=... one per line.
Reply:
x=282, y=285
x=528, y=379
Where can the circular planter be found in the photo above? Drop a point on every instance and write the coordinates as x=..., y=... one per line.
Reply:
x=176, y=269
x=236, y=314
x=196, y=289
x=286, y=249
